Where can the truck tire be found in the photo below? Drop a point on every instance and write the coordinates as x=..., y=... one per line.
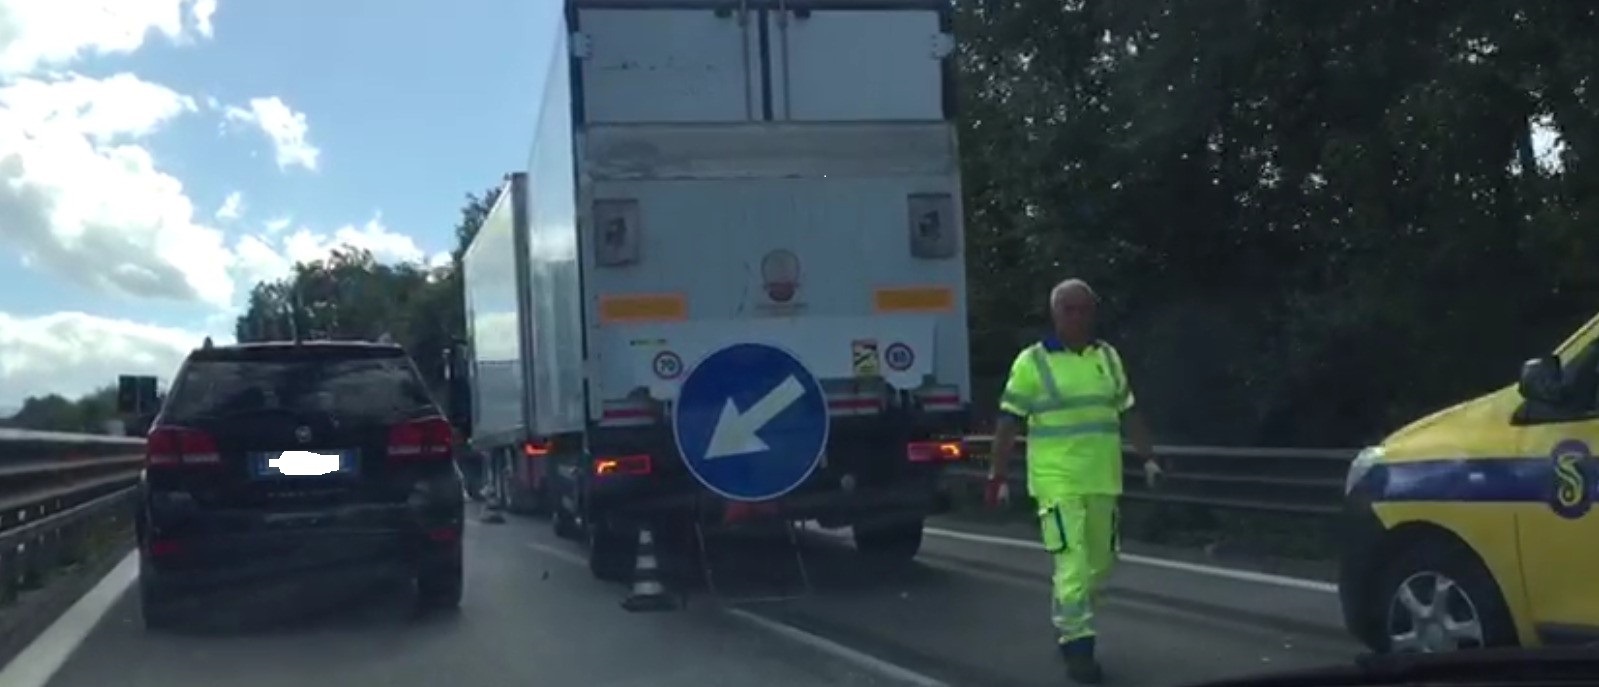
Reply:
x=563, y=520
x=896, y=541
x=611, y=552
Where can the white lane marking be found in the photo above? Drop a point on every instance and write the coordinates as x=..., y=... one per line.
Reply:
x=1211, y=570
x=864, y=660
x=840, y=651
x=564, y=555
x=45, y=655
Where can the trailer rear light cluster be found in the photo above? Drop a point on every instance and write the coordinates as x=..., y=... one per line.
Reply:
x=609, y=466
x=934, y=451
x=426, y=439
x=169, y=446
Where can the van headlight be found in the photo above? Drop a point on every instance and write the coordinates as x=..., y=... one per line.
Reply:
x=1361, y=465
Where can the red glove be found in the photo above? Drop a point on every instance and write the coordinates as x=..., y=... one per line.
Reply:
x=996, y=493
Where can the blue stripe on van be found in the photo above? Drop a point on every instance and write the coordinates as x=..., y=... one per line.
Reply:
x=1477, y=479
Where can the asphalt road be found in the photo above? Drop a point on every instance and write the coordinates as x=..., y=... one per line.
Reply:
x=968, y=612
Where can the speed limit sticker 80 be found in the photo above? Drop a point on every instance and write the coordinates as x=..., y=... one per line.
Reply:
x=899, y=357
x=667, y=365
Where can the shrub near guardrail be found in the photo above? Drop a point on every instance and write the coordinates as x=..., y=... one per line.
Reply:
x=1250, y=501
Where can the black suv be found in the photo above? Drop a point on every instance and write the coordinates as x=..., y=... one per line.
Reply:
x=293, y=463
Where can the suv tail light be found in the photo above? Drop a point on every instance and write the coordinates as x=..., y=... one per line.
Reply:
x=173, y=446
x=426, y=439
x=934, y=451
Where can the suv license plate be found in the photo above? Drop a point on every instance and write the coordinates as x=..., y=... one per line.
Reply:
x=289, y=464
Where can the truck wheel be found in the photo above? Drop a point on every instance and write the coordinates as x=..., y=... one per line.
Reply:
x=898, y=541
x=1437, y=597
x=610, y=552
x=563, y=520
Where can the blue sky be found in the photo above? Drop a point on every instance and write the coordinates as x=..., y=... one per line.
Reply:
x=126, y=125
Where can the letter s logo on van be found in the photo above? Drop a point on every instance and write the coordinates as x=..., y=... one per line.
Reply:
x=1573, y=488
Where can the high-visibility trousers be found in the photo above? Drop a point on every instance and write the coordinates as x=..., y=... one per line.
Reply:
x=1079, y=531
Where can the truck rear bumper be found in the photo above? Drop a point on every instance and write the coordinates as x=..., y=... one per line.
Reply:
x=826, y=498
x=866, y=476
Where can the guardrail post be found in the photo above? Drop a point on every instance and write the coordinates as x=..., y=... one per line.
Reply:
x=8, y=562
x=35, y=554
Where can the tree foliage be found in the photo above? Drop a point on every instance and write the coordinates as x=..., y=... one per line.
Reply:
x=1310, y=221
x=54, y=413
x=350, y=295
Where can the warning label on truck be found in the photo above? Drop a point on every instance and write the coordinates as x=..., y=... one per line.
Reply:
x=863, y=356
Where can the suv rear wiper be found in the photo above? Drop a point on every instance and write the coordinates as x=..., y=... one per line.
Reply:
x=1575, y=665
x=294, y=413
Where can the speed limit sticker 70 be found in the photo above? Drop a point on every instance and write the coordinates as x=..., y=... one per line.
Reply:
x=667, y=365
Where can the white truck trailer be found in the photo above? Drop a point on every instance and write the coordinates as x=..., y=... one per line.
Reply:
x=732, y=273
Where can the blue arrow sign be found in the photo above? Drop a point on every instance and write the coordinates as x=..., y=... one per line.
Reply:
x=750, y=422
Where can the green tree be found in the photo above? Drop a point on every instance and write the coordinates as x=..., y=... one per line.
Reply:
x=351, y=295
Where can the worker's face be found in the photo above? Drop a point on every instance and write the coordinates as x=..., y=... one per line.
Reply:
x=1073, y=313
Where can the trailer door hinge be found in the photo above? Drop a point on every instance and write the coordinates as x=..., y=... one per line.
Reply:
x=942, y=45
x=581, y=46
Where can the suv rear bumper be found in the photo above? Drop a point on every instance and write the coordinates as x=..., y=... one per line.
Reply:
x=198, y=552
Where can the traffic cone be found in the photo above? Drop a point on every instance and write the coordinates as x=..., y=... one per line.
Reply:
x=649, y=594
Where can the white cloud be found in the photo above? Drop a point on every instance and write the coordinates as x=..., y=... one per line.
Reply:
x=37, y=34
x=286, y=128
x=232, y=207
x=73, y=353
x=76, y=190
x=203, y=11
x=273, y=255
x=277, y=225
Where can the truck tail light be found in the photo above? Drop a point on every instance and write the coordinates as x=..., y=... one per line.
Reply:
x=167, y=447
x=426, y=439
x=934, y=451
x=610, y=466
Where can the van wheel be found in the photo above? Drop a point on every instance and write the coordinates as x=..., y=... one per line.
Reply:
x=1436, y=597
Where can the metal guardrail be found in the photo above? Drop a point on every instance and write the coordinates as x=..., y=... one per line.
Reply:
x=1306, y=481
x=53, y=488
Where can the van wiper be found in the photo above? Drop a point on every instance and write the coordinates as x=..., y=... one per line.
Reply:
x=1573, y=665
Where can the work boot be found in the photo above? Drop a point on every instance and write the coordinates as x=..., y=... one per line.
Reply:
x=1080, y=664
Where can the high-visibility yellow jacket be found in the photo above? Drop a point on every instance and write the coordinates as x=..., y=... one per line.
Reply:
x=1072, y=402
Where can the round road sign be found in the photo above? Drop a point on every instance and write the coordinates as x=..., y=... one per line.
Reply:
x=750, y=422
x=899, y=357
x=667, y=365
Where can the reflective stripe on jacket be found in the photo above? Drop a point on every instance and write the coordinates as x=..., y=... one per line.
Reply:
x=1072, y=402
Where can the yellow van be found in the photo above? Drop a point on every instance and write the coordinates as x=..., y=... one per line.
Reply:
x=1476, y=526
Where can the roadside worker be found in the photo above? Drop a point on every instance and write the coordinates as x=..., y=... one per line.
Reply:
x=1071, y=391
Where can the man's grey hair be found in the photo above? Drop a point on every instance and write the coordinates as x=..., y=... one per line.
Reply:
x=1068, y=286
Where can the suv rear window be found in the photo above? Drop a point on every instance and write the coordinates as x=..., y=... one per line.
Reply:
x=358, y=386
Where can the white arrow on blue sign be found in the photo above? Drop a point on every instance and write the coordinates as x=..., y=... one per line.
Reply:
x=750, y=422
